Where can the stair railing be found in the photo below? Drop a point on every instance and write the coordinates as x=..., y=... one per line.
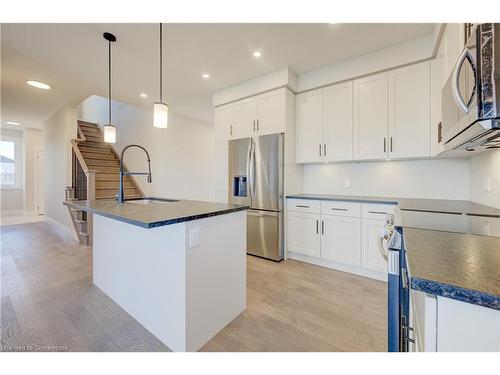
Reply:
x=90, y=188
x=90, y=173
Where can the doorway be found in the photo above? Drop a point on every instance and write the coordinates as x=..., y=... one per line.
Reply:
x=38, y=180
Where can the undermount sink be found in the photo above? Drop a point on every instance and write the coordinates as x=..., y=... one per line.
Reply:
x=150, y=200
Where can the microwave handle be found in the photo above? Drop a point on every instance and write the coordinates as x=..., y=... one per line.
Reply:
x=466, y=54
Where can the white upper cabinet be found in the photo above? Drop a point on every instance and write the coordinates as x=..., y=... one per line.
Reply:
x=260, y=115
x=324, y=124
x=338, y=122
x=245, y=113
x=409, y=111
x=223, y=119
x=309, y=120
x=271, y=109
x=371, y=117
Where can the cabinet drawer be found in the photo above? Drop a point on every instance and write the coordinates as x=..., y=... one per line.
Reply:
x=338, y=208
x=303, y=205
x=377, y=211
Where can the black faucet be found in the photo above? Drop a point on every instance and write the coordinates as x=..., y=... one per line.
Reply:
x=121, y=195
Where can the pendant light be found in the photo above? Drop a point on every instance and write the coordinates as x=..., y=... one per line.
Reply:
x=109, y=128
x=160, y=117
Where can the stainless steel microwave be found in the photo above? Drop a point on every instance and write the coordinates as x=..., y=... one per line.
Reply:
x=470, y=98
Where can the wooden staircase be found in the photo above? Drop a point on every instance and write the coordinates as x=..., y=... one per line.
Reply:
x=101, y=166
x=101, y=157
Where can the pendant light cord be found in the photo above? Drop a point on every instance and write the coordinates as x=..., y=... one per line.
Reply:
x=161, y=62
x=109, y=78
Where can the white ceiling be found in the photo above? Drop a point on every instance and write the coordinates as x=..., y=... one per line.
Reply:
x=72, y=58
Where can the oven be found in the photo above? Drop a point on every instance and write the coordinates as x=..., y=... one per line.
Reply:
x=391, y=246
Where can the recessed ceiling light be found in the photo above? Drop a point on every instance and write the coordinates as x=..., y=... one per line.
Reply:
x=12, y=123
x=257, y=54
x=38, y=85
x=143, y=95
x=206, y=75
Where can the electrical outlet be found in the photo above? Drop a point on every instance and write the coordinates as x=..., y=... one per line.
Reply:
x=487, y=185
x=194, y=237
x=347, y=183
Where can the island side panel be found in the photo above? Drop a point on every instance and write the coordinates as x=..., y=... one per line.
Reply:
x=216, y=276
x=143, y=271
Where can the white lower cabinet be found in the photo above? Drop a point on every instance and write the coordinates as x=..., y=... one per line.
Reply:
x=341, y=239
x=339, y=235
x=371, y=257
x=303, y=233
x=447, y=325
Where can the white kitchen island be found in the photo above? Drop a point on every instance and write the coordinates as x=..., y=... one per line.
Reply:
x=178, y=268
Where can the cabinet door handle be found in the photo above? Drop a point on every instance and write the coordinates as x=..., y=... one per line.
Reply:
x=254, y=125
x=320, y=149
x=301, y=206
x=338, y=209
x=258, y=125
x=324, y=149
x=317, y=227
x=230, y=129
x=322, y=227
x=377, y=212
x=385, y=144
x=391, y=144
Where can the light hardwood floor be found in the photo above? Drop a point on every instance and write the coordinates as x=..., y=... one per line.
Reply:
x=48, y=302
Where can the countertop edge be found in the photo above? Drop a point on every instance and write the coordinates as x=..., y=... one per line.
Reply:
x=457, y=293
x=156, y=224
x=324, y=198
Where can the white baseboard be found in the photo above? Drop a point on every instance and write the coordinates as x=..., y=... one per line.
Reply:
x=12, y=212
x=68, y=231
x=338, y=266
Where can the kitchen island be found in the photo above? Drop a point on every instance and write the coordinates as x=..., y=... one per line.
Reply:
x=178, y=267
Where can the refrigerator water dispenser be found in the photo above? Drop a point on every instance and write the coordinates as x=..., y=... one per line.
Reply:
x=240, y=186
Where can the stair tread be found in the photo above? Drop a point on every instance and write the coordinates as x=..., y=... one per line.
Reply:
x=91, y=133
x=110, y=188
x=101, y=150
x=88, y=123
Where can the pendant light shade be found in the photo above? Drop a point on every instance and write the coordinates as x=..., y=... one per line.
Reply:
x=109, y=128
x=109, y=133
x=160, y=115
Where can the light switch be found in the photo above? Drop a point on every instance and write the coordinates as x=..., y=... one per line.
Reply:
x=347, y=182
x=194, y=237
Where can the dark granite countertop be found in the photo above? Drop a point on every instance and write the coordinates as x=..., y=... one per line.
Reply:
x=156, y=214
x=413, y=204
x=464, y=267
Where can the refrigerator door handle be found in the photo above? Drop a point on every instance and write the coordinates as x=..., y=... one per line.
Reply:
x=249, y=177
x=252, y=168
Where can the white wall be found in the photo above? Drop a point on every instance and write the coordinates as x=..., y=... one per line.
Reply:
x=485, y=165
x=433, y=179
x=59, y=129
x=384, y=59
x=182, y=156
x=33, y=139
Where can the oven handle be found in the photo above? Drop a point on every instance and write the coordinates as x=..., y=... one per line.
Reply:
x=381, y=248
x=457, y=95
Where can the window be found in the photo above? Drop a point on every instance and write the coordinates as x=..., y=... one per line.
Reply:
x=11, y=174
x=8, y=163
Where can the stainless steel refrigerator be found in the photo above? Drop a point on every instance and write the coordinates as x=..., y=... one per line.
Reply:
x=256, y=179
